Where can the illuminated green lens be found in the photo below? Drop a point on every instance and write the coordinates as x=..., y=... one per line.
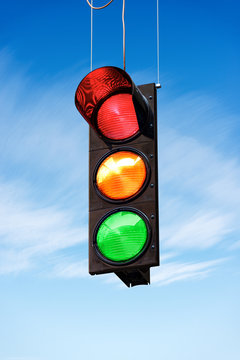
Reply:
x=122, y=236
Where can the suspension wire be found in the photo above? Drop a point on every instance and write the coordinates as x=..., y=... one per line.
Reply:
x=158, y=65
x=123, y=23
x=91, y=56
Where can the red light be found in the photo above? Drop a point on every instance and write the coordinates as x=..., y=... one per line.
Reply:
x=117, y=118
x=98, y=85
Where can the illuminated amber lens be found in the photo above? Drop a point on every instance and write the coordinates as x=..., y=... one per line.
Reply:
x=121, y=175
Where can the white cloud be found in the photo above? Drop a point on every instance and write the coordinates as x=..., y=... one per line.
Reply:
x=200, y=193
x=71, y=269
x=201, y=231
x=194, y=165
x=176, y=271
x=43, y=159
x=12, y=261
x=29, y=231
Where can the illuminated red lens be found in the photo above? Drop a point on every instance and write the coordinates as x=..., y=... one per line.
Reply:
x=117, y=118
x=97, y=85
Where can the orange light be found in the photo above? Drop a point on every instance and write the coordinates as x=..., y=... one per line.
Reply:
x=121, y=175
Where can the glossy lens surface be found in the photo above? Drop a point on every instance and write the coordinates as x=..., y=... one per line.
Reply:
x=97, y=85
x=122, y=236
x=121, y=175
x=117, y=118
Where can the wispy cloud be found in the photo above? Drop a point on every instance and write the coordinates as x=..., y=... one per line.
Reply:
x=43, y=162
x=71, y=269
x=200, y=193
x=176, y=271
x=28, y=231
x=172, y=271
x=200, y=231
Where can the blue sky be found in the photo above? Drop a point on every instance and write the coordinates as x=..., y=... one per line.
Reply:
x=50, y=308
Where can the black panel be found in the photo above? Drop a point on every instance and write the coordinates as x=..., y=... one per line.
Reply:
x=137, y=272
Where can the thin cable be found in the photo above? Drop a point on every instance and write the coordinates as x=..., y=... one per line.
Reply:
x=158, y=66
x=100, y=7
x=91, y=36
x=123, y=22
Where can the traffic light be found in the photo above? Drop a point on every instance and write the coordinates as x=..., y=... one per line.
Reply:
x=123, y=174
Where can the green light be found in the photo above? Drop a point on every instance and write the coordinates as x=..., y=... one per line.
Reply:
x=122, y=236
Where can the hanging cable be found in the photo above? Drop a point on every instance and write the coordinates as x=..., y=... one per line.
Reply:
x=123, y=23
x=91, y=35
x=100, y=7
x=158, y=65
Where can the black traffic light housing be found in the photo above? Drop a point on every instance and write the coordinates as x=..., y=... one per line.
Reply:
x=145, y=202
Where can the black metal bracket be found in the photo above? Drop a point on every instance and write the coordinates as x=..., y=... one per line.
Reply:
x=134, y=277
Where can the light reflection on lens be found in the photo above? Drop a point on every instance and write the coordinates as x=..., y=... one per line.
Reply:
x=121, y=175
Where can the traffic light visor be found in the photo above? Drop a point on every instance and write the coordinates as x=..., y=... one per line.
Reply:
x=122, y=236
x=121, y=175
x=111, y=103
x=97, y=86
